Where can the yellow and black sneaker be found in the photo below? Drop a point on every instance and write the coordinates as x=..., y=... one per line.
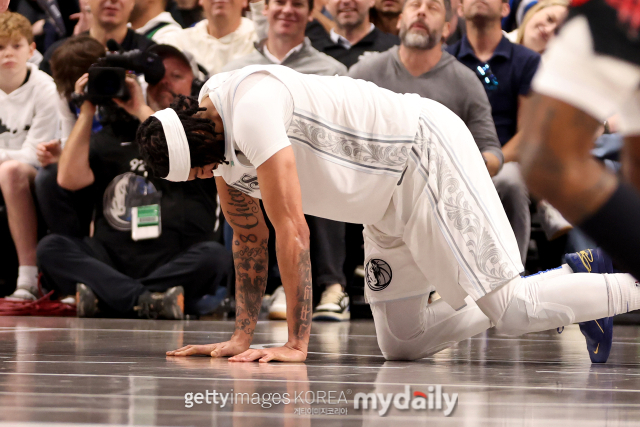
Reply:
x=599, y=332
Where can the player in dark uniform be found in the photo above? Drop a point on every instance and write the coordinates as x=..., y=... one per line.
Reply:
x=590, y=73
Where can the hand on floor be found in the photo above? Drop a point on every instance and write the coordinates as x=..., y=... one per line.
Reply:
x=281, y=354
x=227, y=348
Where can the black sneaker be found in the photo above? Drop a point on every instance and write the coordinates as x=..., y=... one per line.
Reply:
x=86, y=301
x=164, y=305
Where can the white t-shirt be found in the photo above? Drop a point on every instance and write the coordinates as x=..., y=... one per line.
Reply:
x=351, y=139
x=212, y=53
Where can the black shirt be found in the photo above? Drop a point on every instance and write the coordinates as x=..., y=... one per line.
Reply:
x=188, y=210
x=131, y=41
x=375, y=41
x=513, y=66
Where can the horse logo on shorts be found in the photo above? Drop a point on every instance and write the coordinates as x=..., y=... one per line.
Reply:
x=377, y=274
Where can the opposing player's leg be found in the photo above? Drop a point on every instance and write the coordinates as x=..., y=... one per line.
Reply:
x=558, y=135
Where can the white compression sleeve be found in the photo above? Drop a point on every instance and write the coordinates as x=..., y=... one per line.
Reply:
x=530, y=304
x=409, y=329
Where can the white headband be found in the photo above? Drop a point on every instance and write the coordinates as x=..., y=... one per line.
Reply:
x=177, y=144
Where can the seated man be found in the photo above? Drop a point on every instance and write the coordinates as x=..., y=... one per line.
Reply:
x=287, y=45
x=354, y=36
x=419, y=65
x=109, y=21
x=407, y=168
x=220, y=38
x=126, y=265
x=28, y=116
x=150, y=19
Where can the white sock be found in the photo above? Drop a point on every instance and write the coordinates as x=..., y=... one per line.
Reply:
x=28, y=278
x=624, y=292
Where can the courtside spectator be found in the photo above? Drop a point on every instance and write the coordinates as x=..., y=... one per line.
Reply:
x=115, y=271
x=419, y=65
x=354, y=35
x=506, y=71
x=109, y=21
x=28, y=116
x=385, y=15
x=220, y=38
x=150, y=19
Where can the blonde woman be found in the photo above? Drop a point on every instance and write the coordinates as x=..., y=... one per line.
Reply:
x=540, y=24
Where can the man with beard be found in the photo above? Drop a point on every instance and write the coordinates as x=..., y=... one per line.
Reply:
x=354, y=35
x=506, y=71
x=385, y=15
x=419, y=65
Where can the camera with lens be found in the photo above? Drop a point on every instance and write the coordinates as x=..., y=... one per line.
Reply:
x=107, y=76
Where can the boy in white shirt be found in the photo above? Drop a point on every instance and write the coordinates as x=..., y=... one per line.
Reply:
x=28, y=116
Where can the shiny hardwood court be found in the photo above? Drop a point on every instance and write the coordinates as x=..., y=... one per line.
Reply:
x=114, y=372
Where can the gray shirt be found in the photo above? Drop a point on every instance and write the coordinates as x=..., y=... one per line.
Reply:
x=450, y=83
x=307, y=61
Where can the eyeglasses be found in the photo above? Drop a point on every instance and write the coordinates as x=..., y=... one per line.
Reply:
x=486, y=76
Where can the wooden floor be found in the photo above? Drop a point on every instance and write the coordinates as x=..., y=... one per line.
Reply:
x=104, y=371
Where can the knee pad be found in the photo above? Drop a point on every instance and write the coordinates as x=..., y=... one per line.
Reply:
x=394, y=329
x=525, y=312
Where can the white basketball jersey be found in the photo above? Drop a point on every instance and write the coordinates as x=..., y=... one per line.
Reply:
x=351, y=141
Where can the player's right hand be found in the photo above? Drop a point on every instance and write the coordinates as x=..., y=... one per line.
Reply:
x=223, y=349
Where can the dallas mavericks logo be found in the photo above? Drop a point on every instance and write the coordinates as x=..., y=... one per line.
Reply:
x=377, y=274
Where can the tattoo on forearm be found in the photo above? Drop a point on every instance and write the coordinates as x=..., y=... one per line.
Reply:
x=250, y=257
x=245, y=214
x=302, y=311
x=251, y=279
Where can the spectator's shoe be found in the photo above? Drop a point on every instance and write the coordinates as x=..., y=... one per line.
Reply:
x=23, y=294
x=165, y=305
x=334, y=306
x=598, y=333
x=553, y=223
x=278, y=305
x=86, y=301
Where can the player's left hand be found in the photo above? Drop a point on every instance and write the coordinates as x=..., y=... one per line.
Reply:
x=280, y=354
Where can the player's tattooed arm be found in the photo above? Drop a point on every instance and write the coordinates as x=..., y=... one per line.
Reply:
x=251, y=260
x=250, y=257
x=301, y=325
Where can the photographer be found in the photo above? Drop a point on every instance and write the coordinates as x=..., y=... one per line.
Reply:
x=109, y=21
x=116, y=270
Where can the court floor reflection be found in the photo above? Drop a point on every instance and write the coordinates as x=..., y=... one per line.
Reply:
x=106, y=371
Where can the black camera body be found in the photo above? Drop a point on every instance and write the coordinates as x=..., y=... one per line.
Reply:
x=107, y=76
